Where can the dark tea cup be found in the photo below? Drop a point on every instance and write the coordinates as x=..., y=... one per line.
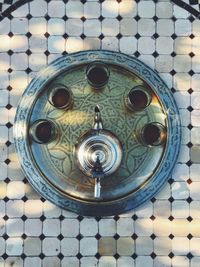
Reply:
x=152, y=134
x=43, y=131
x=138, y=98
x=61, y=97
x=97, y=74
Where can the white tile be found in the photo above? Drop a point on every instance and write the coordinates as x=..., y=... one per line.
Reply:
x=180, y=172
x=38, y=26
x=110, y=27
x=51, y=227
x=3, y=150
x=182, y=99
x=88, y=227
x=15, y=208
x=180, y=246
x=180, y=190
x=162, y=208
x=195, y=82
x=196, y=27
x=125, y=261
x=143, y=227
x=74, y=44
x=88, y=261
x=146, y=45
x=37, y=61
x=3, y=134
x=14, y=227
x=182, y=81
x=195, y=118
x=32, y=262
x=50, y=261
x=194, y=190
x=194, y=172
x=195, y=135
x=180, y=209
x=32, y=246
x=33, y=208
x=13, y=261
x=16, y=190
x=128, y=45
x=70, y=227
x=92, y=28
x=2, y=246
x=165, y=27
x=70, y=261
x=195, y=45
x=195, y=65
x=4, y=79
x=4, y=61
x=3, y=99
x=164, y=9
x=162, y=245
x=74, y=9
x=144, y=261
x=107, y=261
x=110, y=9
x=51, y=246
x=183, y=45
x=2, y=208
x=182, y=27
x=128, y=27
x=185, y=117
x=144, y=246
x=88, y=246
x=162, y=227
x=162, y=261
x=194, y=209
x=74, y=27
x=56, y=44
x=19, y=43
x=164, y=63
x=127, y=9
x=125, y=227
x=37, y=44
x=180, y=12
x=3, y=116
x=146, y=9
x=194, y=246
x=14, y=171
x=14, y=246
x=110, y=43
x=3, y=173
x=5, y=42
x=92, y=10
x=184, y=154
x=5, y=26
x=69, y=246
x=56, y=26
x=195, y=99
x=51, y=210
x=38, y=12
x=164, y=45
x=182, y=63
x=33, y=227
x=195, y=262
x=2, y=226
x=145, y=210
x=107, y=227
x=19, y=61
x=56, y=9
x=146, y=27
x=91, y=43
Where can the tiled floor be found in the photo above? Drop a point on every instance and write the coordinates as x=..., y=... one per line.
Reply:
x=166, y=230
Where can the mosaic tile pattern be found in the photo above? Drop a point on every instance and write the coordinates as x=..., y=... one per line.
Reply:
x=163, y=232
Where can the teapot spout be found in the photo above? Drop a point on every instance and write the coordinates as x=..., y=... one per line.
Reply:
x=98, y=125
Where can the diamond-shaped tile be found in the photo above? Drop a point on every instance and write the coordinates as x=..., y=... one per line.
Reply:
x=171, y=236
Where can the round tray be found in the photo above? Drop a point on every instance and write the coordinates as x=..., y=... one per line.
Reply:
x=52, y=168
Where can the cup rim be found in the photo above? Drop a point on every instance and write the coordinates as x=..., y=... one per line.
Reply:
x=52, y=92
